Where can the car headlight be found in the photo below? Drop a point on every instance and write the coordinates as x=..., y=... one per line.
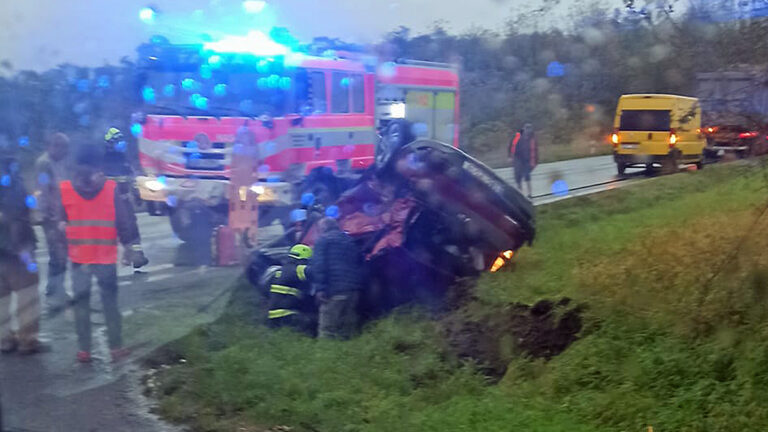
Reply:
x=154, y=185
x=258, y=189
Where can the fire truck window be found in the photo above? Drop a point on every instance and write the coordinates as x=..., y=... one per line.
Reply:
x=317, y=92
x=340, y=93
x=358, y=93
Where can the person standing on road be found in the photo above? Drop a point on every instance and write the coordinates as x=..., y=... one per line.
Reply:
x=118, y=168
x=96, y=217
x=338, y=275
x=50, y=169
x=290, y=302
x=18, y=269
x=524, y=155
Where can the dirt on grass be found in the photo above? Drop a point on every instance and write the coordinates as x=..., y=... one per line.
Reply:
x=542, y=330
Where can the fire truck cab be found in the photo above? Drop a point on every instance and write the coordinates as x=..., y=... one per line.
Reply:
x=271, y=120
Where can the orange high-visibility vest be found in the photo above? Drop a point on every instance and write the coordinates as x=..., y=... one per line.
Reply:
x=91, y=231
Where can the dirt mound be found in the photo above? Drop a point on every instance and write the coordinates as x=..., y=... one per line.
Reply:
x=542, y=330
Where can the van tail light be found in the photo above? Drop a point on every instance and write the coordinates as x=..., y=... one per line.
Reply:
x=744, y=135
x=615, y=138
x=672, y=138
x=711, y=129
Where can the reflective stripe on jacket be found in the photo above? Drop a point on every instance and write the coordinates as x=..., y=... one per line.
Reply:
x=91, y=231
x=289, y=293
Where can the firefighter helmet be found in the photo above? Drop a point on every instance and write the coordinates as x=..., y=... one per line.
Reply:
x=300, y=251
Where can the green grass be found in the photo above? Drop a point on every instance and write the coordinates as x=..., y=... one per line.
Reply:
x=660, y=346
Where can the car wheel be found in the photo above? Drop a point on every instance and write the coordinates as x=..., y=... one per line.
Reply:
x=396, y=135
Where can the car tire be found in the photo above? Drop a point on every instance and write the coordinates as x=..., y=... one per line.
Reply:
x=189, y=223
x=396, y=135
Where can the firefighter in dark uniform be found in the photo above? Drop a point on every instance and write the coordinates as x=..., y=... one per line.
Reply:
x=117, y=167
x=290, y=301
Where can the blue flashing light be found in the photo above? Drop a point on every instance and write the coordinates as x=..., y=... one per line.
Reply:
x=148, y=94
x=220, y=90
x=255, y=42
x=24, y=141
x=262, y=83
x=103, y=81
x=163, y=180
x=555, y=69
x=254, y=6
x=147, y=15
x=5, y=180
x=285, y=83
x=387, y=70
x=214, y=61
x=191, y=144
x=206, y=72
x=169, y=90
x=333, y=212
x=31, y=201
x=201, y=103
x=136, y=129
x=344, y=82
x=273, y=179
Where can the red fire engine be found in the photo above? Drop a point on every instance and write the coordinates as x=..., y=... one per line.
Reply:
x=289, y=113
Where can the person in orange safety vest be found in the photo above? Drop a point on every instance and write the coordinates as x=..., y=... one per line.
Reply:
x=524, y=155
x=97, y=218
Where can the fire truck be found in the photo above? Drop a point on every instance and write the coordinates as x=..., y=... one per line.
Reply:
x=292, y=114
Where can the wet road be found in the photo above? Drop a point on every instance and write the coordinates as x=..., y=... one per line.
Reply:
x=51, y=392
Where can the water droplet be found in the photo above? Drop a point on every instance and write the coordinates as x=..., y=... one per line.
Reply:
x=206, y=72
x=333, y=212
x=136, y=129
x=560, y=188
x=307, y=199
x=43, y=179
x=83, y=85
x=169, y=90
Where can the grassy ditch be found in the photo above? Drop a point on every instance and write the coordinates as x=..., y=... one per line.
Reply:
x=670, y=281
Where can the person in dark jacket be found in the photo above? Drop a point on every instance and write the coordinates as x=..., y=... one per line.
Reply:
x=18, y=269
x=97, y=216
x=338, y=277
x=117, y=167
x=50, y=169
x=524, y=155
x=290, y=299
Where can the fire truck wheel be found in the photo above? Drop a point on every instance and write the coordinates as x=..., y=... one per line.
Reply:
x=192, y=223
x=396, y=135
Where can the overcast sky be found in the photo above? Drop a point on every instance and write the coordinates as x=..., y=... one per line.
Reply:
x=38, y=34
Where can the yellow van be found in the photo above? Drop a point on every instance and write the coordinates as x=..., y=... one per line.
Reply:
x=651, y=129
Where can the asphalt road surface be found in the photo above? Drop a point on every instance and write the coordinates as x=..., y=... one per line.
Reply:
x=50, y=392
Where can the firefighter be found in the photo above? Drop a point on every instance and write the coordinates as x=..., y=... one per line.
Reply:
x=96, y=217
x=524, y=155
x=18, y=269
x=50, y=169
x=339, y=277
x=117, y=168
x=290, y=301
